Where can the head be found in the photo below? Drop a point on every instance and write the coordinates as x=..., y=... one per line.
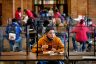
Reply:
x=19, y=8
x=14, y=20
x=46, y=22
x=25, y=10
x=81, y=21
x=50, y=32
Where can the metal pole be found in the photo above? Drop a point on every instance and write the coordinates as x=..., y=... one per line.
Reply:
x=94, y=40
x=27, y=39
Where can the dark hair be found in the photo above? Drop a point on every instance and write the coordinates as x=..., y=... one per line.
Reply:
x=14, y=20
x=48, y=28
x=46, y=22
x=25, y=10
x=81, y=21
x=19, y=8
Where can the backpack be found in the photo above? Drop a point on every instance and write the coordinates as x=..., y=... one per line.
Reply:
x=12, y=32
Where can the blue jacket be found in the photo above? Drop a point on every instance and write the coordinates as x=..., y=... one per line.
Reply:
x=17, y=27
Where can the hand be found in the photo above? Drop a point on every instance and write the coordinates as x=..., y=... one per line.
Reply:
x=44, y=46
x=53, y=49
x=59, y=50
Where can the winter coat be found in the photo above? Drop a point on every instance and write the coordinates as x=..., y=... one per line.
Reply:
x=81, y=33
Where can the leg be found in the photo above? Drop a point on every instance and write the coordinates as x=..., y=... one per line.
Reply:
x=11, y=45
x=19, y=41
x=1, y=45
x=74, y=44
x=83, y=46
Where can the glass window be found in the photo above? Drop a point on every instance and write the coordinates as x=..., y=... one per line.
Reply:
x=45, y=1
x=61, y=1
x=37, y=1
x=49, y=1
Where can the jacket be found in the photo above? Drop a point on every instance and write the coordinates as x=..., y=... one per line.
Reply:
x=18, y=15
x=30, y=14
x=81, y=33
x=56, y=43
x=17, y=27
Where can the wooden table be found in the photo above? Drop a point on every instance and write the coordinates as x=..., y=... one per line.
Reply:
x=75, y=59
x=22, y=56
x=81, y=53
x=17, y=56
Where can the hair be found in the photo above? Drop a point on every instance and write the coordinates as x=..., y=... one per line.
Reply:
x=19, y=8
x=81, y=21
x=25, y=10
x=46, y=22
x=48, y=28
x=14, y=20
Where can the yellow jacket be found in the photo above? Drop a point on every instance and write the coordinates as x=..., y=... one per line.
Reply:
x=56, y=43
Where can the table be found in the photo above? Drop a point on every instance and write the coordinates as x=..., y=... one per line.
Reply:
x=17, y=56
x=22, y=56
x=81, y=53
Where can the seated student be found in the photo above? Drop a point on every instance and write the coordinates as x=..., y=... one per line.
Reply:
x=49, y=42
x=62, y=34
x=13, y=32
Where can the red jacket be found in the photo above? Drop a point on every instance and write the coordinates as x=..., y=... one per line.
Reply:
x=57, y=15
x=18, y=15
x=81, y=33
x=30, y=14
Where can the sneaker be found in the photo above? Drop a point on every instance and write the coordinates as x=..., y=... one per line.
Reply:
x=75, y=51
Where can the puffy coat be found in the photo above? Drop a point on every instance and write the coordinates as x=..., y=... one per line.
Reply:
x=81, y=33
x=55, y=42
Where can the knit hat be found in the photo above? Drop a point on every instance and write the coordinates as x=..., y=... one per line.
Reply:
x=48, y=28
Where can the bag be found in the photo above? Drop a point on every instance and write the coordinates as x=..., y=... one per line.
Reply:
x=12, y=33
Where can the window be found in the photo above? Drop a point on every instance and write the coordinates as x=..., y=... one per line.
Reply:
x=45, y=1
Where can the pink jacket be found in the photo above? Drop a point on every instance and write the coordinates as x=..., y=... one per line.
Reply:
x=81, y=33
x=57, y=15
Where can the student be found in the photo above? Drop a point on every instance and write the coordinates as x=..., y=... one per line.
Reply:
x=18, y=15
x=49, y=42
x=81, y=34
x=29, y=13
x=16, y=31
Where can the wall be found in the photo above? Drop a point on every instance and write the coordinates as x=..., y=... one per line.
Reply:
x=83, y=7
x=0, y=1
x=78, y=7
x=92, y=9
x=9, y=8
x=6, y=10
x=73, y=8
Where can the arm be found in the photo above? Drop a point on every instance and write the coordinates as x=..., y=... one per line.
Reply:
x=34, y=49
x=60, y=46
